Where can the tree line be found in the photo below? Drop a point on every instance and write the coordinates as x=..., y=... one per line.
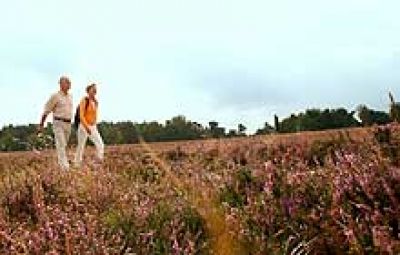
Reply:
x=24, y=137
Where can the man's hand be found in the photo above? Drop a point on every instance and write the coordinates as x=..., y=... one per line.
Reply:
x=39, y=129
x=42, y=121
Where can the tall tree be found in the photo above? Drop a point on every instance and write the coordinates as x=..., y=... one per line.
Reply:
x=276, y=123
x=242, y=129
x=369, y=117
x=315, y=119
x=215, y=130
x=394, y=108
x=232, y=133
x=213, y=125
x=267, y=129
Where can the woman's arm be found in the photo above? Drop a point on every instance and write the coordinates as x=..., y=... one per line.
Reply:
x=82, y=109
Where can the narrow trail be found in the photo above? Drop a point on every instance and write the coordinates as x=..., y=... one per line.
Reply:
x=203, y=198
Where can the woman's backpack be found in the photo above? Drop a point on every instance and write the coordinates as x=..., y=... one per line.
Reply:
x=77, y=119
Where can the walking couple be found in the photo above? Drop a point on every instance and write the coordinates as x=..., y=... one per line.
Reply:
x=61, y=106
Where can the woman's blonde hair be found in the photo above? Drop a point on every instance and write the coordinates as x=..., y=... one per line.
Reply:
x=88, y=88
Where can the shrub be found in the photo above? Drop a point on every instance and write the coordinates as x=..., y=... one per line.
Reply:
x=321, y=150
x=388, y=139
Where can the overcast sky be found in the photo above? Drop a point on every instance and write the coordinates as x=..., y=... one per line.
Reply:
x=231, y=61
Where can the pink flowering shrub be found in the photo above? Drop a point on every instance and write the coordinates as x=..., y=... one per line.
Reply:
x=310, y=193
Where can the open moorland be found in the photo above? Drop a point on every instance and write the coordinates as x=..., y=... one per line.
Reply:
x=335, y=192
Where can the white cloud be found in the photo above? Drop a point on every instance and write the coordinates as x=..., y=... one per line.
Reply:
x=155, y=59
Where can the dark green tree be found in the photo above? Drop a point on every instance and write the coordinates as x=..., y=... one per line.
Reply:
x=394, y=109
x=242, y=129
x=370, y=117
x=232, y=133
x=315, y=119
x=216, y=131
x=276, y=123
x=266, y=130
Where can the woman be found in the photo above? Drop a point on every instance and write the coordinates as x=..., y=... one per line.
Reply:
x=87, y=127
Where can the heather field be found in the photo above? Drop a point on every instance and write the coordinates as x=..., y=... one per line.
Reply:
x=335, y=192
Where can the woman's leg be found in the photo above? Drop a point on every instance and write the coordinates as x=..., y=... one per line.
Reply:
x=95, y=137
x=82, y=138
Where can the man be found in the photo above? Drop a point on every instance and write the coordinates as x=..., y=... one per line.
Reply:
x=60, y=104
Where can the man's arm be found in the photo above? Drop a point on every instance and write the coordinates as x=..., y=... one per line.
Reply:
x=42, y=121
x=48, y=108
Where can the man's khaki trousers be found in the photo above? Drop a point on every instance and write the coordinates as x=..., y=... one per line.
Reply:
x=62, y=132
